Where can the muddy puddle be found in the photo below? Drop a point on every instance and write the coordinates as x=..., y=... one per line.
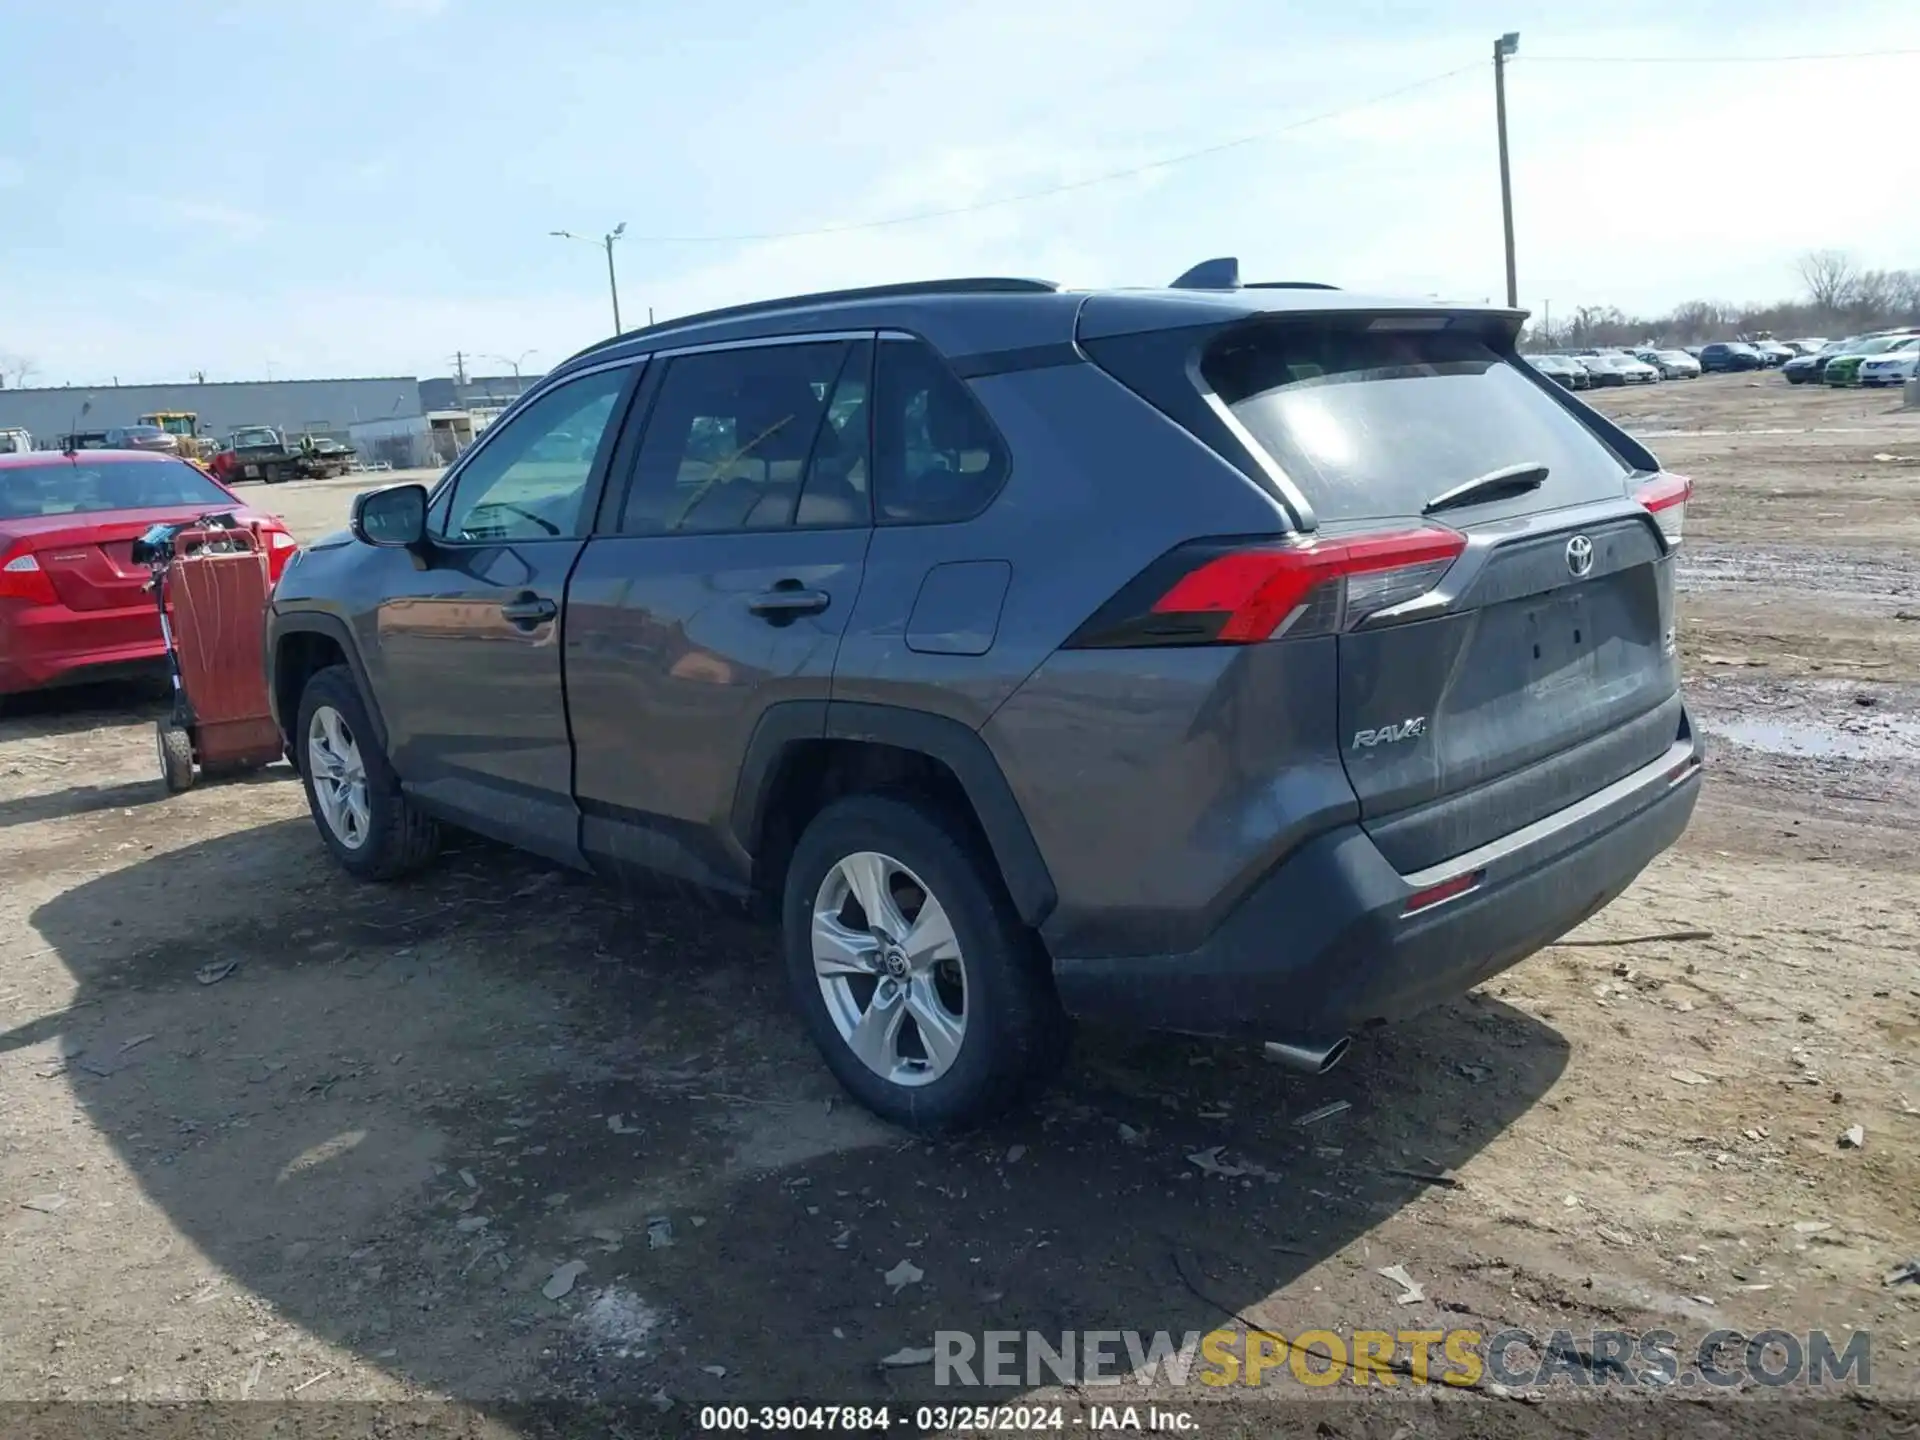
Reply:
x=1846, y=745
x=1893, y=739
x=1866, y=579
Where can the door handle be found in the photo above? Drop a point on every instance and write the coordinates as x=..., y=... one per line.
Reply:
x=529, y=610
x=788, y=601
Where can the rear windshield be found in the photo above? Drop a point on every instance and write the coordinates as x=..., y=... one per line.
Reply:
x=74, y=487
x=1372, y=423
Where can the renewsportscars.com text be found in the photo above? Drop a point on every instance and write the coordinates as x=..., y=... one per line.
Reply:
x=1513, y=1358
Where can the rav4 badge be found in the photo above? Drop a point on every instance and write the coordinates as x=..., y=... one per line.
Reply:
x=1411, y=729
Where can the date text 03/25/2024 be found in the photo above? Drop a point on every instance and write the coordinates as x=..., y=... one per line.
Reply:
x=983, y=1419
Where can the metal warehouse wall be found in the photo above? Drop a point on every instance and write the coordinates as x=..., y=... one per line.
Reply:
x=296, y=405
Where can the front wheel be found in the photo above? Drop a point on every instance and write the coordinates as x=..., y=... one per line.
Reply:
x=929, y=999
x=372, y=829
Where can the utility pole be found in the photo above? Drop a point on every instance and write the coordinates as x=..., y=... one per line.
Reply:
x=460, y=367
x=606, y=240
x=1506, y=45
x=1546, y=325
x=613, y=281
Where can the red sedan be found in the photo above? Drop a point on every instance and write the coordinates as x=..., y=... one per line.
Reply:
x=73, y=605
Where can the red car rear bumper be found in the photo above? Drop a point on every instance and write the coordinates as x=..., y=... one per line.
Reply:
x=47, y=645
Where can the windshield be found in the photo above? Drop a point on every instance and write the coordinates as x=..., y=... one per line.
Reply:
x=73, y=487
x=1374, y=423
x=259, y=435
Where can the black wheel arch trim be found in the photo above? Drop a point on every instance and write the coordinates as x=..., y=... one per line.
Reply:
x=319, y=622
x=953, y=744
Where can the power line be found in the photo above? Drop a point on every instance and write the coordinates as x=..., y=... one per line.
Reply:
x=1021, y=197
x=1712, y=59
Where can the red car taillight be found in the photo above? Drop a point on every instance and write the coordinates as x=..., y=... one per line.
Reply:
x=21, y=578
x=1236, y=593
x=280, y=547
x=1666, y=496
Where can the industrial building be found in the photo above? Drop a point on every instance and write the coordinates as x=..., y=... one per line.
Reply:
x=321, y=407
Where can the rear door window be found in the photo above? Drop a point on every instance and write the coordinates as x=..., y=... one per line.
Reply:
x=760, y=438
x=1371, y=423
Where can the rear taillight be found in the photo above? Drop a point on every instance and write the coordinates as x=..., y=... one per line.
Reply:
x=280, y=547
x=1666, y=496
x=1235, y=593
x=21, y=578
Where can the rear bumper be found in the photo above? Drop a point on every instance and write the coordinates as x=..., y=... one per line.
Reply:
x=46, y=646
x=1323, y=947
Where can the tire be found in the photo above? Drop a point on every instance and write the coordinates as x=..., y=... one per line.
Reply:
x=1012, y=1034
x=387, y=837
x=175, y=747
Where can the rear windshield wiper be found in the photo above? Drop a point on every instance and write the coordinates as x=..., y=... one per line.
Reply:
x=1494, y=485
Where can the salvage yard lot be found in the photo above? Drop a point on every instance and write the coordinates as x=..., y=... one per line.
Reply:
x=266, y=1132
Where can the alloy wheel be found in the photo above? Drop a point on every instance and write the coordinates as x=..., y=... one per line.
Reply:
x=339, y=774
x=889, y=968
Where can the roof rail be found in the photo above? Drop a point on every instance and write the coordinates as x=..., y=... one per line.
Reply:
x=964, y=285
x=1288, y=285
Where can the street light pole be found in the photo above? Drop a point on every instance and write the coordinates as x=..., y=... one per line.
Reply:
x=613, y=283
x=1506, y=45
x=511, y=362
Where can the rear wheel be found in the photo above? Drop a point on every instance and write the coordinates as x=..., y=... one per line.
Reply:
x=927, y=996
x=175, y=747
x=372, y=829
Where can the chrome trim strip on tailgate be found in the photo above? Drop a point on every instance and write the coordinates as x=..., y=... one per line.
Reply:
x=1678, y=754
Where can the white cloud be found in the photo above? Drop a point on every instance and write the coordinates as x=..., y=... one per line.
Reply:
x=230, y=221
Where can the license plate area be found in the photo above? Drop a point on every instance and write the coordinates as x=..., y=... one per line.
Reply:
x=253, y=472
x=1562, y=652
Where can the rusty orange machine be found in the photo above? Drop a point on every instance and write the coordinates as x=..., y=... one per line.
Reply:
x=211, y=585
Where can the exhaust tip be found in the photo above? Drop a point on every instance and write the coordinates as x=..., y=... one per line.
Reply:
x=1311, y=1058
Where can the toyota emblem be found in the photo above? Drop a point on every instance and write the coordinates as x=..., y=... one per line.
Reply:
x=1579, y=555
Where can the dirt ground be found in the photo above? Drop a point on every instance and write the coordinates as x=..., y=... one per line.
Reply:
x=265, y=1133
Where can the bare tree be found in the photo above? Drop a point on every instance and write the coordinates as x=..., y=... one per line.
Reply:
x=1830, y=277
x=16, y=370
x=1697, y=320
x=1903, y=296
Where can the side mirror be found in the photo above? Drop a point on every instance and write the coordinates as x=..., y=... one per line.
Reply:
x=395, y=517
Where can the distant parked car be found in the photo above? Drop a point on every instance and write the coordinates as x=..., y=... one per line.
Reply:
x=1773, y=353
x=141, y=437
x=1730, y=355
x=1803, y=368
x=1600, y=372
x=1895, y=367
x=1563, y=369
x=1618, y=369
x=1672, y=364
x=15, y=441
x=1812, y=345
x=1849, y=368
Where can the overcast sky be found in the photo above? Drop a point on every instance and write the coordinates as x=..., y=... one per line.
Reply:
x=340, y=187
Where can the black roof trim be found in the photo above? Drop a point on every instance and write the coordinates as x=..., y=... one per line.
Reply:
x=964, y=285
x=1288, y=285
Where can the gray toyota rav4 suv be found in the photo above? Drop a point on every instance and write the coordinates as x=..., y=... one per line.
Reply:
x=1257, y=661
